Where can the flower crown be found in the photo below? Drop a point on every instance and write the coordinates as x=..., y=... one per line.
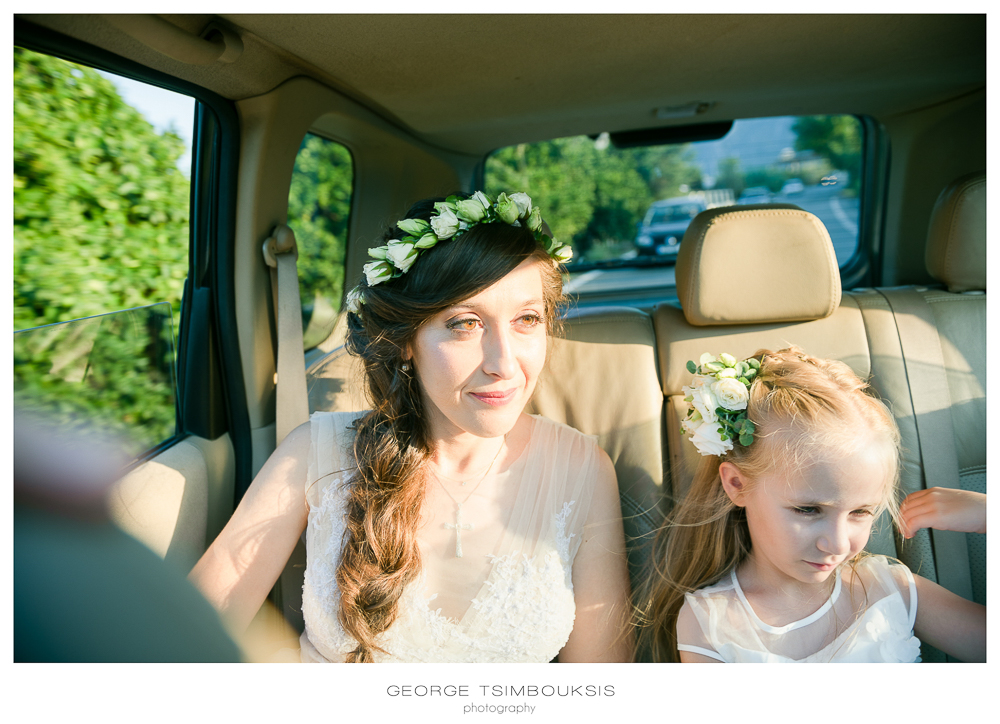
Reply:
x=718, y=398
x=454, y=217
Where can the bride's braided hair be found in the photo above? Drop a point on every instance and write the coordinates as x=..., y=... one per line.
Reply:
x=380, y=554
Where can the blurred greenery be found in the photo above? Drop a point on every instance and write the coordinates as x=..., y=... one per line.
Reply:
x=836, y=138
x=100, y=207
x=100, y=225
x=591, y=193
x=319, y=206
x=115, y=371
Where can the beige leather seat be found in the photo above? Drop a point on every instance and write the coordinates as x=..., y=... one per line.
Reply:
x=942, y=412
x=750, y=278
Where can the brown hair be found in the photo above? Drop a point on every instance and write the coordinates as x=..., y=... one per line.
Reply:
x=380, y=555
x=805, y=410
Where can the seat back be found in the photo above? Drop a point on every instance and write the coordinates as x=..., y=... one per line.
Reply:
x=750, y=278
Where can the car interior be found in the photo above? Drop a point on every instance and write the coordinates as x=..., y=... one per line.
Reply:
x=420, y=102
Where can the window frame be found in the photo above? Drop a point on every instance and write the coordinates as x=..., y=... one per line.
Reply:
x=212, y=218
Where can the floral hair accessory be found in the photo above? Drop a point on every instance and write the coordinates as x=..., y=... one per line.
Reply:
x=454, y=217
x=718, y=397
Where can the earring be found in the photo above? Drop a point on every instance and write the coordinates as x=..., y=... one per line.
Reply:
x=405, y=367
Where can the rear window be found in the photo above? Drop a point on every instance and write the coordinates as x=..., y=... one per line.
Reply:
x=624, y=210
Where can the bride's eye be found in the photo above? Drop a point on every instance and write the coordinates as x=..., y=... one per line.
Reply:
x=469, y=324
x=531, y=319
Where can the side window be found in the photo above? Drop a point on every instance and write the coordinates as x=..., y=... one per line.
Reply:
x=101, y=207
x=319, y=207
x=626, y=207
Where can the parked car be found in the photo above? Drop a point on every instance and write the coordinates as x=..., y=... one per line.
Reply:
x=664, y=224
x=334, y=124
x=755, y=195
x=792, y=187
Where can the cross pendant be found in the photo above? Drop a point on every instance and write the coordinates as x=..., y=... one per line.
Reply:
x=458, y=527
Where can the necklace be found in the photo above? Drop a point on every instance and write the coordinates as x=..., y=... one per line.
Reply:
x=458, y=526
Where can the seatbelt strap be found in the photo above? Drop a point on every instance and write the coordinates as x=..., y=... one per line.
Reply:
x=291, y=408
x=931, y=398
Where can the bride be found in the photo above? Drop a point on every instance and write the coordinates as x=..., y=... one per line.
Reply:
x=444, y=524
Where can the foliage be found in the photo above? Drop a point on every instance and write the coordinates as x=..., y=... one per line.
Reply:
x=100, y=225
x=319, y=206
x=100, y=208
x=591, y=193
x=114, y=371
x=837, y=138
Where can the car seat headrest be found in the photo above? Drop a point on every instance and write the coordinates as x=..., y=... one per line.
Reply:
x=756, y=265
x=956, y=236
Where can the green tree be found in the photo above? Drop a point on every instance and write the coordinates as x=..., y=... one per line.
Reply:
x=100, y=207
x=100, y=225
x=591, y=194
x=731, y=176
x=837, y=138
x=319, y=207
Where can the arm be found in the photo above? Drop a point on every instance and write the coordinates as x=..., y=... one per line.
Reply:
x=943, y=509
x=240, y=567
x=950, y=622
x=602, y=631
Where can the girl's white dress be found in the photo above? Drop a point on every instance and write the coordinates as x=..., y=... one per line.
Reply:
x=524, y=609
x=868, y=621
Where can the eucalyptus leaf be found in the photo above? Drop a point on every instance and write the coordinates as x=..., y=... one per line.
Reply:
x=692, y=367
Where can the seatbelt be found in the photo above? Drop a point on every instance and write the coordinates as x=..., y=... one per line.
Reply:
x=931, y=398
x=291, y=408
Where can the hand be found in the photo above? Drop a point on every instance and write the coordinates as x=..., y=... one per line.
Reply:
x=943, y=509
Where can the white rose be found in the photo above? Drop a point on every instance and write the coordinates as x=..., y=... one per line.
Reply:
x=731, y=394
x=378, y=252
x=703, y=399
x=401, y=254
x=727, y=372
x=483, y=199
x=445, y=224
x=523, y=202
x=706, y=358
x=563, y=253
x=470, y=210
x=377, y=272
x=708, y=441
x=354, y=301
x=690, y=424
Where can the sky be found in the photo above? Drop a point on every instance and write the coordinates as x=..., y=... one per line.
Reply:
x=162, y=108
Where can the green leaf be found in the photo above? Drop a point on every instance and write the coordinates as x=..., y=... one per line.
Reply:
x=692, y=367
x=754, y=363
x=746, y=439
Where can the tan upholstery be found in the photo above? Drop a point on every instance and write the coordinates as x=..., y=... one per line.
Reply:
x=732, y=257
x=601, y=378
x=793, y=297
x=956, y=237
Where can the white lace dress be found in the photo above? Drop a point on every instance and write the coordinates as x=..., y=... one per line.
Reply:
x=520, y=607
x=870, y=621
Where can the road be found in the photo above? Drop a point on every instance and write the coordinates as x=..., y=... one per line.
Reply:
x=839, y=214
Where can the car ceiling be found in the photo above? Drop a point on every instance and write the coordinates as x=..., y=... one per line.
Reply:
x=472, y=83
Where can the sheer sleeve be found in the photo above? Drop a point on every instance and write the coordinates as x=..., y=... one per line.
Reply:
x=690, y=635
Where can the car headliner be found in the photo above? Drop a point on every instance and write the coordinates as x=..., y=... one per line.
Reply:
x=472, y=83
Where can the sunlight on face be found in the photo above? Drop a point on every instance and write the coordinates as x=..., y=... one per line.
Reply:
x=805, y=523
x=477, y=362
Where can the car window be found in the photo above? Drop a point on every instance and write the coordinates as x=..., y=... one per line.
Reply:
x=625, y=210
x=319, y=207
x=101, y=209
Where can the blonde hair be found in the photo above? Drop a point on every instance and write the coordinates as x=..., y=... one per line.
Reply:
x=806, y=410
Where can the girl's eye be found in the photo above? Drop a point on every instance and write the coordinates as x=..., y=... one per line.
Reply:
x=861, y=513
x=463, y=325
x=531, y=319
x=807, y=510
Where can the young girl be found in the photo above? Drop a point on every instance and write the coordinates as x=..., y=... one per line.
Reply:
x=764, y=560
